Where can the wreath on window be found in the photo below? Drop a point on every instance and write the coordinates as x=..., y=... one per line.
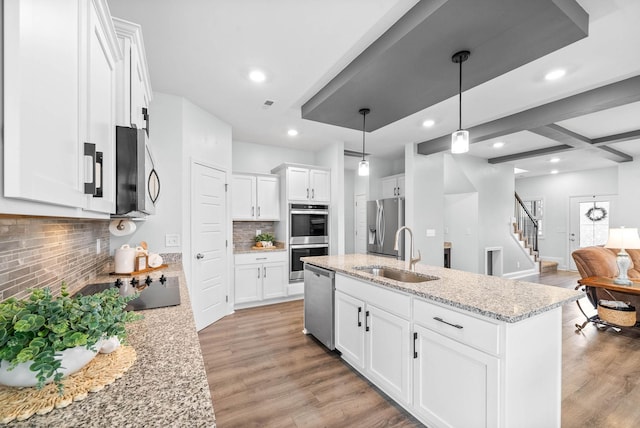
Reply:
x=596, y=213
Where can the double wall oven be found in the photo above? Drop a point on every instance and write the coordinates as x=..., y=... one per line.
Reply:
x=308, y=235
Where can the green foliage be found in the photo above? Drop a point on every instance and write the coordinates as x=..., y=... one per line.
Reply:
x=265, y=237
x=37, y=328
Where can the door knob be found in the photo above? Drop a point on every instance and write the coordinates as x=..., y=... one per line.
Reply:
x=199, y=256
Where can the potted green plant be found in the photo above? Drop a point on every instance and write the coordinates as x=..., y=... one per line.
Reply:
x=36, y=333
x=265, y=239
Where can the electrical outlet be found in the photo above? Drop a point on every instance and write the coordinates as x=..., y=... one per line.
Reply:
x=172, y=240
x=97, y=246
x=431, y=233
x=258, y=232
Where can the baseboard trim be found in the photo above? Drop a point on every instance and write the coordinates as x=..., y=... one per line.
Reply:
x=520, y=274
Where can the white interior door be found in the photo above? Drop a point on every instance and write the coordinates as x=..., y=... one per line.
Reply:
x=208, y=240
x=588, y=222
x=361, y=224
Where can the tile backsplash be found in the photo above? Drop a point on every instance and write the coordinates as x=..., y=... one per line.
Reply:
x=40, y=252
x=245, y=231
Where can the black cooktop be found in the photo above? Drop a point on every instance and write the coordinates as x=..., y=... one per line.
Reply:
x=157, y=293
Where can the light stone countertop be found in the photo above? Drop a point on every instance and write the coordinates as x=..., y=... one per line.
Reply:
x=243, y=249
x=494, y=297
x=167, y=384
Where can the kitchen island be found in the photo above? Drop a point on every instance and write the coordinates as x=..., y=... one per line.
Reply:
x=167, y=384
x=457, y=349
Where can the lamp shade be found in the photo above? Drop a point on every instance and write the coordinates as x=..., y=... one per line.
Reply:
x=460, y=141
x=623, y=238
x=363, y=168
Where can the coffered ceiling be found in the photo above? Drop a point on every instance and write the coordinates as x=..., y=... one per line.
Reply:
x=203, y=51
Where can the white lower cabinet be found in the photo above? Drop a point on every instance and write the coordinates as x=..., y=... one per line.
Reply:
x=260, y=276
x=454, y=385
x=374, y=340
x=447, y=366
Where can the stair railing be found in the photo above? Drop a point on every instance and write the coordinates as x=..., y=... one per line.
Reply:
x=526, y=223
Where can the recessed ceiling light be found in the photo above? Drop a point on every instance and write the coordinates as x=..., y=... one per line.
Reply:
x=257, y=76
x=554, y=171
x=292, y=132
x=554, y=160
x=519, y=170
x=428, y=123
x=498, y=144
x=555, y=74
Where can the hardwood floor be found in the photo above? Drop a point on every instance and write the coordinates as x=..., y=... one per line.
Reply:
x=263, y=372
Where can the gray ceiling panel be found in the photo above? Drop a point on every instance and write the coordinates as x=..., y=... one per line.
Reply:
x=409, y=68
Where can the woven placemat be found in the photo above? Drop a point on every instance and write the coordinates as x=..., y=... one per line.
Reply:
x=22, y=403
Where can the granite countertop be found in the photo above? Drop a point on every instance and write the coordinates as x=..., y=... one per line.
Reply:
x=494, y=297
x=167, y=384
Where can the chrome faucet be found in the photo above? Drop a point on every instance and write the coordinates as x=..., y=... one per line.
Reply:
x=412, y=261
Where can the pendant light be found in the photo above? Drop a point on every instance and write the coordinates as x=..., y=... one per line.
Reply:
x=363, y=166
x=460, y=138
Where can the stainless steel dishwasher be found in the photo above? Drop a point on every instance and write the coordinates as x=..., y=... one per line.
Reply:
x=319, y=285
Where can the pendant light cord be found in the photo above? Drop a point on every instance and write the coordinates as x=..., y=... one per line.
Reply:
x=460, y=98
x=363, y=112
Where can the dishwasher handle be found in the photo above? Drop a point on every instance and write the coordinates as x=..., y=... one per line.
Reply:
x=320, y=271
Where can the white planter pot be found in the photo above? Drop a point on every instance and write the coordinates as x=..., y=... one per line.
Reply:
x=73, y=359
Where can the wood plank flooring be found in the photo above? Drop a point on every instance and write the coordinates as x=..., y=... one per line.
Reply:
x=263, y=372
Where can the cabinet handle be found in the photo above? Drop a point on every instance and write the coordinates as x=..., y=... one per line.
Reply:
x=261, y=258
x=258, y=272
x=313, y=193
x=252, y=211
x=395, y=191
x=359, y=312
x=307, y=193
x=366, y=321
x=264, y=271
x=458, y=326
x=415, y=337
x=258, y=211
x=90, y=152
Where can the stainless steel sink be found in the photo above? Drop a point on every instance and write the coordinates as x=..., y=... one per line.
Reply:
x=396, y=274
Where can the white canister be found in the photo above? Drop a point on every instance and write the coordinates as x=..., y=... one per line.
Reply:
x=125, y=258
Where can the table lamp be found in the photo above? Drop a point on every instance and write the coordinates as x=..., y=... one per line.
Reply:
x=623, y=238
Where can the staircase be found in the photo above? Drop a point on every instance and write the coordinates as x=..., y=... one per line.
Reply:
x=525, y=230
x=547, y=266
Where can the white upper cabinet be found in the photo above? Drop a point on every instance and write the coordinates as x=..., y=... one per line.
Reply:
x=133, y=84
x=255, y=197
x=393, y=186
x=58, y=95
x=308, y=185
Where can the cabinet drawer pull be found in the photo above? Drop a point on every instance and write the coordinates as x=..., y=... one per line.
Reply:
x=359, y=312
x=313, y=193
x=264, y=271
x=415, y=337
x=252, y=211
x=261, y=258
x=258, y=272
x=307, y=193
x=258, y=211
x=458, y=326
x=366, y=321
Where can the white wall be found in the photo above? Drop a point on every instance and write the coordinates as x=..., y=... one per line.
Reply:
x=332, y=156
x=628, y=213
x=424, y=204
x=461, y=224
x=260, y=158
x=556, y=191
x=349, y=211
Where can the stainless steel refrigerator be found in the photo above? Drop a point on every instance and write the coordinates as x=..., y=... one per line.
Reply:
x=384, y=218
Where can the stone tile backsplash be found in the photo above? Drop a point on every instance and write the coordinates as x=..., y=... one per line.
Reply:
x=245, y=231
x=40, y=252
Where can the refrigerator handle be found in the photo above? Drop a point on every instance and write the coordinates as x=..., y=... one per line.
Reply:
x=382, y=224
x=378, y=230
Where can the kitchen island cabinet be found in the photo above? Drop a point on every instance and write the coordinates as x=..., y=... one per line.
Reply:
x=167, y=384
x=484, y=351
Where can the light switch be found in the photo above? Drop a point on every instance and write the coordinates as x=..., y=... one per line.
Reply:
x=431, y=233
x=172, y=240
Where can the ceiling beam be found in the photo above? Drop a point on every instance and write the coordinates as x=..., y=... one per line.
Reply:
x=617, y=138
x=605, y=97
x=563, y=135
x=531, y=154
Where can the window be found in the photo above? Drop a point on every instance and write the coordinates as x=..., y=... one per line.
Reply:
x=594, y=223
